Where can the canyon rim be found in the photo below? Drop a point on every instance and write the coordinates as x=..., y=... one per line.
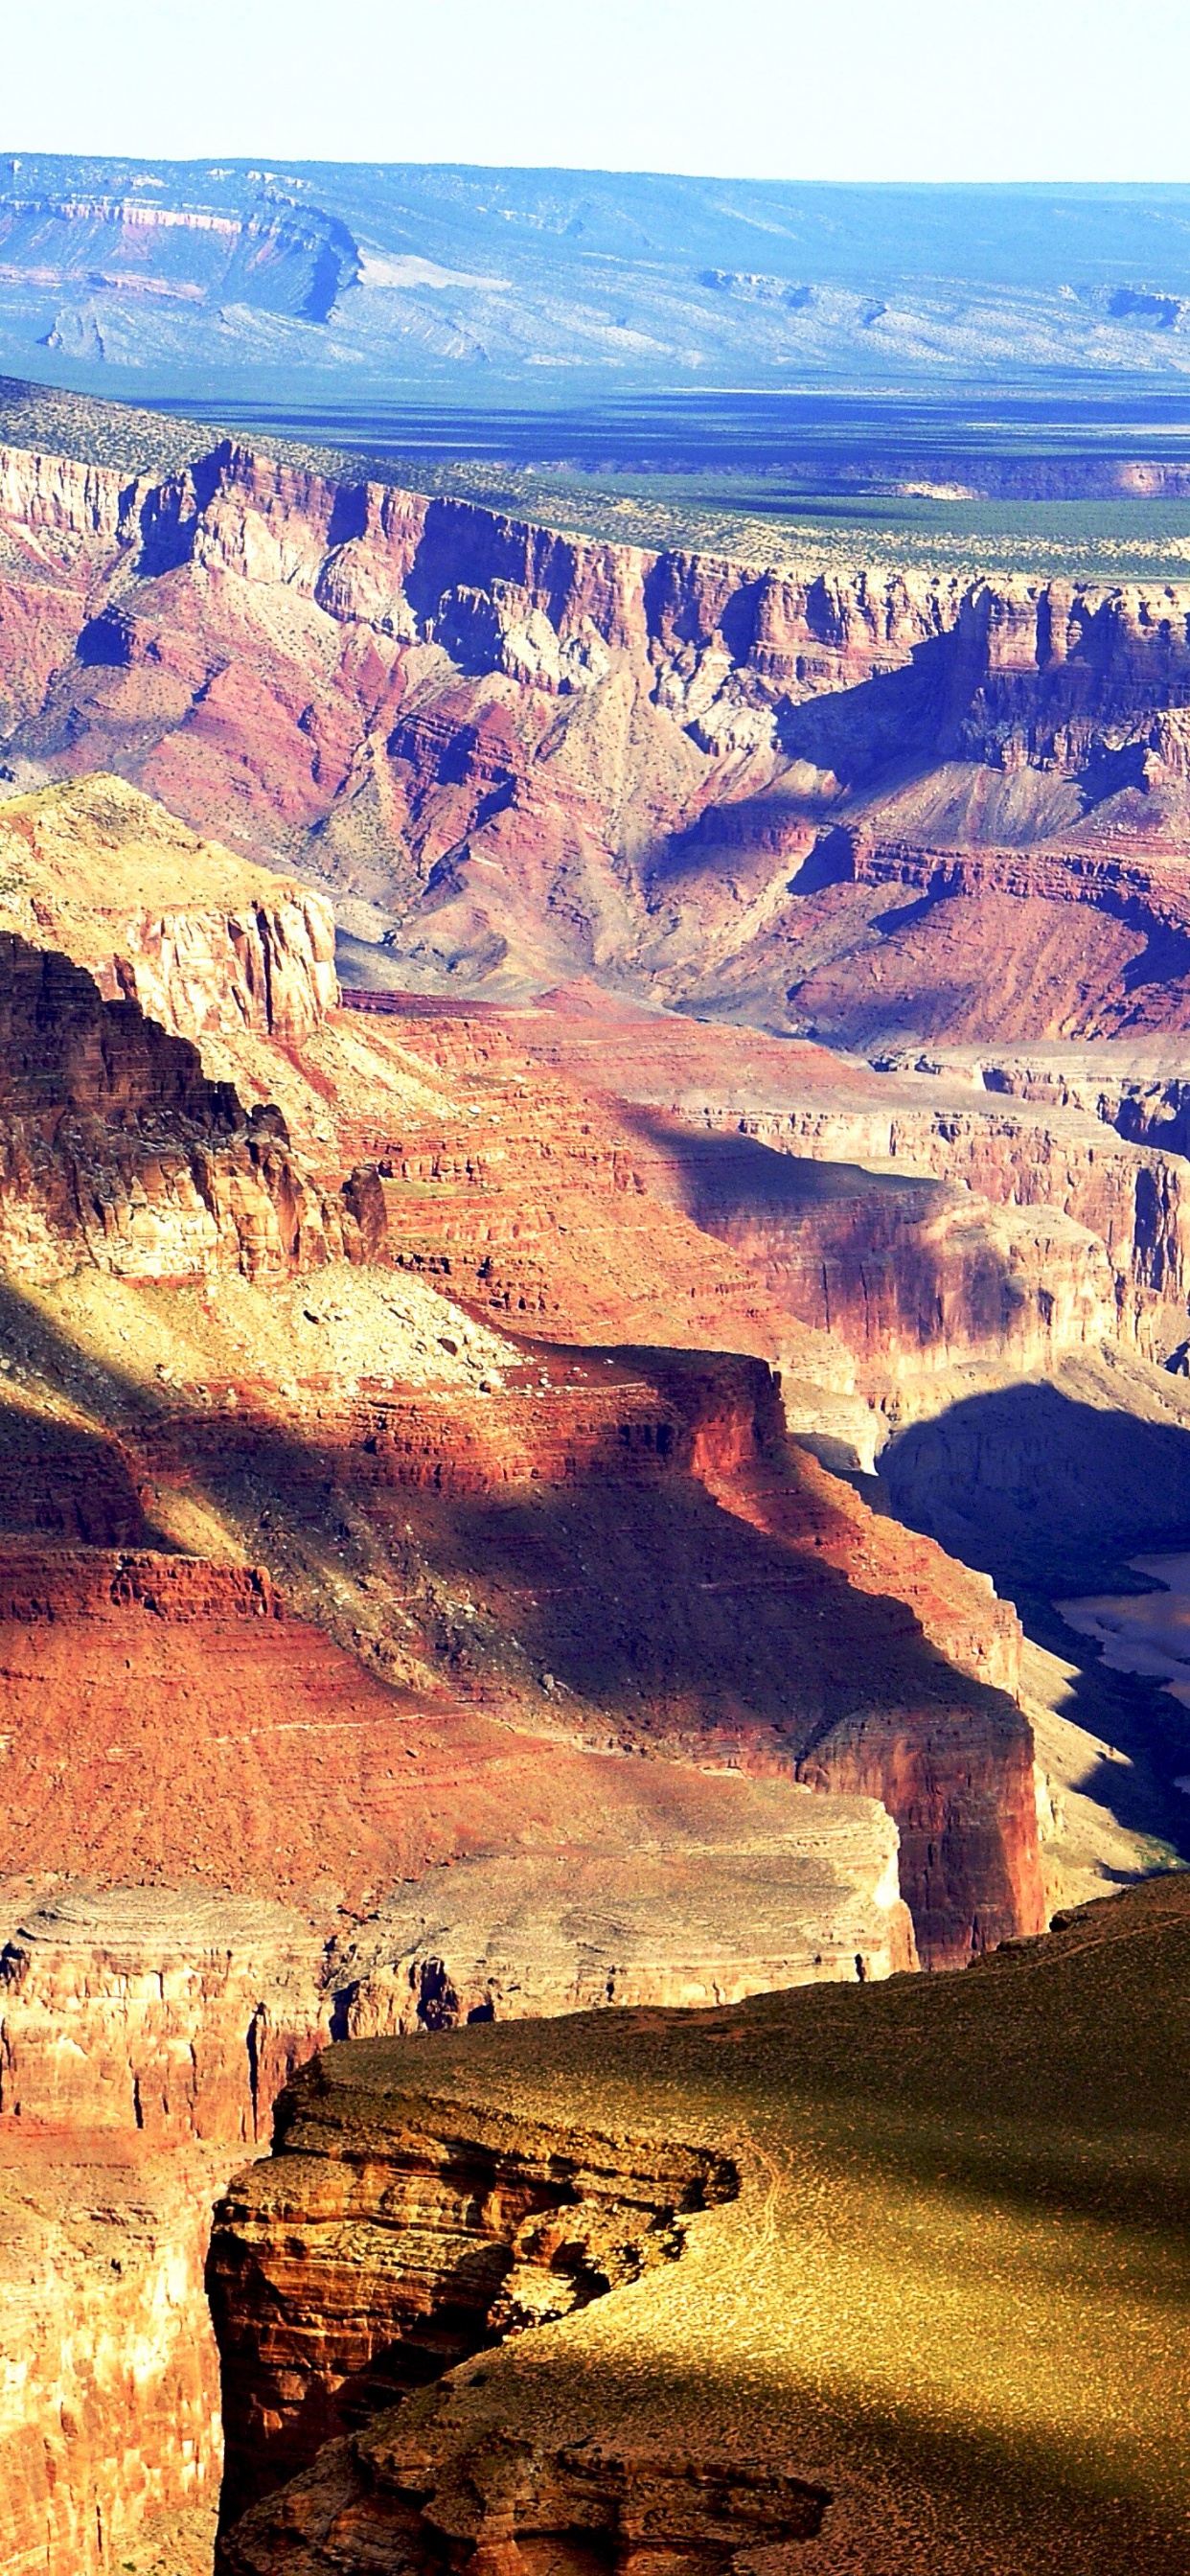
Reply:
x=594, y=1327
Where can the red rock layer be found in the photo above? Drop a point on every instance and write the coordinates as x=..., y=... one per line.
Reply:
x=611, y=1531
x=175, y=2015
x=893, y=1270
x=106, y=1113
x=538, y=753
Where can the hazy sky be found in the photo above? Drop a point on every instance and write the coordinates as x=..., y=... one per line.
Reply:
x=816, y=89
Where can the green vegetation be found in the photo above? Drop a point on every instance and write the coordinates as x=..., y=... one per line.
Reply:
x=752, y=513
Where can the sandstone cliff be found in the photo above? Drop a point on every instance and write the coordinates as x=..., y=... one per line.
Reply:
x=176, y=2016
x=817, y=2363
x=266, y=1398
x=109, y=2380
x=435, y=2242
x=1039, y=1231
x=101, y=874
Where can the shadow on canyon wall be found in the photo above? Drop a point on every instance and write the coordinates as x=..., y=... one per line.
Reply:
x=1052, y=1497
x=1041, y=1491
x=859, y=1252
x=620, y=1586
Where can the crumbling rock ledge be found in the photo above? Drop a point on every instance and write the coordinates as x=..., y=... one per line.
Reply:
x=381, y=2245
x=412, y=2500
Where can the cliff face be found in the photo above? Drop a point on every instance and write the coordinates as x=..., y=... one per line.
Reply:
x=99, y=873
x=925, y=1219
x=109, y=2390
x=115, y=1146
x=535, y=753
x=484, y=1497
x=175, y=2016
x=686, y=1506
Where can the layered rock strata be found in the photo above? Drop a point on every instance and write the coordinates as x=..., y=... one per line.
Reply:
x=841, y=1686
x=109, y=2379
x=517, y=753
x=116, y=1147
x=101, y=874
x=176, y=2016
x=1040, y=1231
x=417, y=2244
x=754, y=2392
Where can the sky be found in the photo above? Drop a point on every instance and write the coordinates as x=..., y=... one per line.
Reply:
x=789, y=89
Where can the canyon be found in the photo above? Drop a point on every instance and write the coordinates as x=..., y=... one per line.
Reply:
x=870, y=805
x=507, y=1440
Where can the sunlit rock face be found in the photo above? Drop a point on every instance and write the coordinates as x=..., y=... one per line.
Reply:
x=109, y=2388
x=517, y=754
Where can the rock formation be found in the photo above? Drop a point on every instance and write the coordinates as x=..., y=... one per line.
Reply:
x=173, y=2015
x=422, y=1597
x=516, y=753
x=109, y=2380
x=836, y=2185
x=101, y=875
x=510, y=2231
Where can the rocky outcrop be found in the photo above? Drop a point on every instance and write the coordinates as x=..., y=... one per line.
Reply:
x=355, y=2264
x=646, y=2503
x=100, y=873
x=115, y=1148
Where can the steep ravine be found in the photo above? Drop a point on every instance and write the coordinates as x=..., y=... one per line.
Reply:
x=604, y=1690
x=513, y=754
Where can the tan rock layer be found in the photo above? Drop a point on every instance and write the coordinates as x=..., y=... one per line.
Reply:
x=345, y=2271
x=109, y=2383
